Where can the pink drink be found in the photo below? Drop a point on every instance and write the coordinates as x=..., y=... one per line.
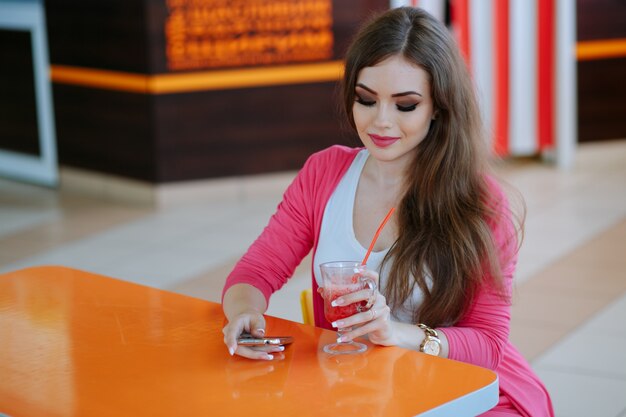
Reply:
x=339, y=279
x=341, y=312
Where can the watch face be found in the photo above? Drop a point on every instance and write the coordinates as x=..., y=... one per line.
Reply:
x=431, y=347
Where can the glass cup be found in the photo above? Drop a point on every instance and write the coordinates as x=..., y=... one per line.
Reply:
x=341, y=278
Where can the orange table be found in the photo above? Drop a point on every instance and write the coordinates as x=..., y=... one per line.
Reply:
x=74, y=343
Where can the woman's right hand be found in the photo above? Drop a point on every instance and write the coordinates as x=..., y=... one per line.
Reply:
x=251, y=323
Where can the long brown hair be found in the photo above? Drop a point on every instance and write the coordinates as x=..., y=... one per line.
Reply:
x=445, y=215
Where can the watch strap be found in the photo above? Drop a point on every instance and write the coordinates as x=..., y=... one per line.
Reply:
x=428, y=330
x=431, y=336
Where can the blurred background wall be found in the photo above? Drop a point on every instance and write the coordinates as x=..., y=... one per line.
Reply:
x=198, y=89
x=166, y=91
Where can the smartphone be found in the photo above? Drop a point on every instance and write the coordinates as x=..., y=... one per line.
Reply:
x=247, y=340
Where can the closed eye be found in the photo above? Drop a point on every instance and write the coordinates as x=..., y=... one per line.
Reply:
x=360, y=100
x=406, y=108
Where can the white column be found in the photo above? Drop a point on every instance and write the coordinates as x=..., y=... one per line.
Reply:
x=566, y=90
x=523, y=78
x=481, y=47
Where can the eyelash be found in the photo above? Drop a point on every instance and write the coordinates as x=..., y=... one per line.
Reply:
x=371, y=103
x=407, y=108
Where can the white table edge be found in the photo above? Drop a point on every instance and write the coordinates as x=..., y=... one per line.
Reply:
x=471, y=404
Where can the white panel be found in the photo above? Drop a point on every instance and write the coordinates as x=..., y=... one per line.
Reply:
x=481, y=50
x=566, y=95
x=523, y=77
x=434, y=7
x=399, y=3
x=29, y=15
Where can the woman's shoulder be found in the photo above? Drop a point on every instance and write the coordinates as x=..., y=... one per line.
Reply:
x=335, y=153
x=507, y=211
x=493, y=186
x=495, y=192
x=336, y=157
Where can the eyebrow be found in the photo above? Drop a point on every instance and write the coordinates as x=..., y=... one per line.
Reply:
x=406, y=93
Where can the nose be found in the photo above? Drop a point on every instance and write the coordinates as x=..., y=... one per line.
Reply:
x=383, y=115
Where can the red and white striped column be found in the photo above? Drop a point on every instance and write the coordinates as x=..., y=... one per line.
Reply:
x=521, y=54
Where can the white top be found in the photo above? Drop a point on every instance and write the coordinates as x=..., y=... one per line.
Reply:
x=338, y=242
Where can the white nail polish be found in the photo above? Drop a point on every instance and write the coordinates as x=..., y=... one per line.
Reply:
x=338, y=302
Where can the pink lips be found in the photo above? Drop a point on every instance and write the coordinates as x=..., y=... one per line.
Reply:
x=383, y=141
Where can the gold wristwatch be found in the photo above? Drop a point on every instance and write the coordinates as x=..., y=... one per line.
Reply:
x=431, y=344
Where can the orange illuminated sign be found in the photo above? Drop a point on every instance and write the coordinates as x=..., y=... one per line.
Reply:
x=234, y=33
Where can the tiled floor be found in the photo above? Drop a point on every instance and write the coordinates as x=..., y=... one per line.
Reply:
x=570, y=299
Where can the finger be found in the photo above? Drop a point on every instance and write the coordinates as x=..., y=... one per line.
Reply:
x=267, y=348
x=378, y=314
x=231, y=332
x=351, y=321
x=370, y=274
x=277, y=349
x=265, y=356
x=354, y=297
x=255, y=354
x=378, y=301
x=360, y=331
x=273, y=349
x=376, y=321
x=371, y=299
x=257, y=326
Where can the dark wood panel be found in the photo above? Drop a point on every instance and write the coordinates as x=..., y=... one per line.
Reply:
x=242, y=132
x=601, y=19
x=156, y=16
x=18, y=106
x=129, y=35
x=198, y=135
x=346, y=17
x=602, y=100
x=601, y=94
x=105, y=131
x=105, y=34
x=174, y=137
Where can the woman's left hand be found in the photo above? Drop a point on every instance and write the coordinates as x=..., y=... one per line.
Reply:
x=374, y=322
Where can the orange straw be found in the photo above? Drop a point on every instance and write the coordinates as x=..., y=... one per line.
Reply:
x=380, y=228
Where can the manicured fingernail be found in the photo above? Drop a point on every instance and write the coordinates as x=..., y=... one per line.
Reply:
x=280, y=348
x=231, y=351
x=268, y=357
x=337, y=302
x=340, y=339
x=262, y=331
x=337, y=324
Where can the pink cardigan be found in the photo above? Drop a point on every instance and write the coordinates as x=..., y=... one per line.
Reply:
x=480, y=337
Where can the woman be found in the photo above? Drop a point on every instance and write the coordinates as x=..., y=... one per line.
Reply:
x=445, y=261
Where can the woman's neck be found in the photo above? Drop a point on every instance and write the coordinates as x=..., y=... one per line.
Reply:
x=384, y=174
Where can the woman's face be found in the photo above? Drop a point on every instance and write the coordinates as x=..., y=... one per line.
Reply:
x=393, y=108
